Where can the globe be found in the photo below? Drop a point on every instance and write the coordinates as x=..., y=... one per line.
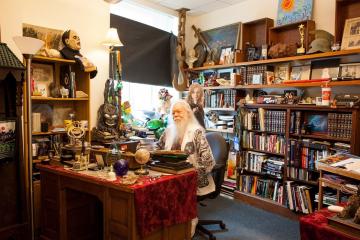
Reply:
x=121, y=167
x=142, y=156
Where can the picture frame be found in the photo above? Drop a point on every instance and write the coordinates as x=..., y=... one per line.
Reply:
x=318, y=123
x=325, y=73
x=225, y=55
x=349, y=71
x=282, y=73
x=228, y=35
x=300, y=72
x=351, y=34
x=43, y=76
x=290, y=11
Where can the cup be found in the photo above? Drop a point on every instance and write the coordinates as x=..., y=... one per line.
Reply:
x=325, y=95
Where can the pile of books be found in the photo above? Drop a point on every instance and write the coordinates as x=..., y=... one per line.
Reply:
x=173, y=162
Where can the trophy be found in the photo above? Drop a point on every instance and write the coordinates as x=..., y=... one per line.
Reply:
x=301, y=50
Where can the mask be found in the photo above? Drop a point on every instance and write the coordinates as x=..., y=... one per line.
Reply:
x=73, y=41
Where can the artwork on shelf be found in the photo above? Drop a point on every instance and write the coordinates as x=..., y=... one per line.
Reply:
x=318, y=123
x=51, y=37
x=43, y=76
x=226, y=55
x=7, y=139
x=282, y=72
x=46, y=112
x=349, y=71
x=325, y=73
x=291, y=11
x=351, y=35
x=300, y=72
x=225, y=36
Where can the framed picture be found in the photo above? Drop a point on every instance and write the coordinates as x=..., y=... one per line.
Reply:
x=291, y=11
x=300, y=72
x=318, y=123
x=349, y=71
x=43, y=75
x=325, y=73
x=351, y=34
x=7, y=139
x=225, y=36
x=282, y=72
x=225, y=56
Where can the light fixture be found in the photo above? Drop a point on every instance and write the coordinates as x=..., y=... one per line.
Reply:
x=112, y=39
x=28, y=47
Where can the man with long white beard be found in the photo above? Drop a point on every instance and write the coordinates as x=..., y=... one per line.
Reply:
x=186, y=134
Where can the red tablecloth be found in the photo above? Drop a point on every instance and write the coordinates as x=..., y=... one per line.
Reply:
x=159, y=203
x=315, y=226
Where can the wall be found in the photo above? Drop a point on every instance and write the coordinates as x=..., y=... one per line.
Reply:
x=89, y=18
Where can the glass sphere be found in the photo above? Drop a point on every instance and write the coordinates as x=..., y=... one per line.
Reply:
x=121, y=167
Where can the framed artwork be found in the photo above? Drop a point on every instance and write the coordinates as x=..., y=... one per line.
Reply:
x=51, y=37
x=349, y=71
x=300, y=72
x=7, y=139
x=325, y=73
x=318, y=123
x=282, y=72
x=351, y=35
x=291, y=11
x=225, y=55
x=42, y=75
x=225, y=36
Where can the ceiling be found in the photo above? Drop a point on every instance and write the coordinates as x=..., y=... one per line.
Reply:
x=197, y=7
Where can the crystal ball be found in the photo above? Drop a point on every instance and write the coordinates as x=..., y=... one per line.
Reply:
x=121, y=167
x=142, y=156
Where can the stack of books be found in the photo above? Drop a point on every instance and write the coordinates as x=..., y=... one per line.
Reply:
x=173, y=162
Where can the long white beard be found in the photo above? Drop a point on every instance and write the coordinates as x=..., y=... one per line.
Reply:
x=180, y=128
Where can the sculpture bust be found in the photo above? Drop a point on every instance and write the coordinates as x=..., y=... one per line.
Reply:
x=191, y=58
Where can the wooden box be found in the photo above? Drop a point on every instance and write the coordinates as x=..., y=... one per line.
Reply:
x=255, y=32
x=289, y=34
x=346, y=226
x=345, y=9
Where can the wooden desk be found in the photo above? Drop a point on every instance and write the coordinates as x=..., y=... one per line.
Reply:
x=323, y=182
x=78, y=206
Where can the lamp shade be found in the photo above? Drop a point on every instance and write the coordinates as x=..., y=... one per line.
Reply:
x=28, y=45
x=112, y=38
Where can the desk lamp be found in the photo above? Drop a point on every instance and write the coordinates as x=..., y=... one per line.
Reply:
x=28, y=47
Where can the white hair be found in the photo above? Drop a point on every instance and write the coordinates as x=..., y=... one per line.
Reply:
x=191, y=123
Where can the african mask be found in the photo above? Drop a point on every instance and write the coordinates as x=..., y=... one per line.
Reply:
x=72, y=40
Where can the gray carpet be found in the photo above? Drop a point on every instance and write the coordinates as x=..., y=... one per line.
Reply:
x=244, y=222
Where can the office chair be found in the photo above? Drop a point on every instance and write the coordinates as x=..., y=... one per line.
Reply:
x=219, y=149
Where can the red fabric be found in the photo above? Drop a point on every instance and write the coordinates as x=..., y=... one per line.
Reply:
x=165, y=201
x=315, y=226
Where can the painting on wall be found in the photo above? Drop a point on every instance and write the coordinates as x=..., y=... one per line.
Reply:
x=291, y=11
x=51, y=37
x=221, y=37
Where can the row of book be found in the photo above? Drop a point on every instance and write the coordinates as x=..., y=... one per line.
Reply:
x=255, y=74
x=228, y=187
x=220, y=99
x=340, y=125
x=306, y=152
x=298, y=198
x=301, y=174
x=263, y=142
x=262, y=163
x=265, y=120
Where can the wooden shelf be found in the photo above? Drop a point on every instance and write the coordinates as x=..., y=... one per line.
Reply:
x=321, y=137
x=220, y=130
x=266, y=204
x=267, y=132
x=52, y=60
x=265, y=175
x=338, y=83
x=285, y=59
x=47, y=133
x=219, y=87
x=313, y=183
x=58, y=99
x=261, y=151
x=220, y=109
x=300, y=107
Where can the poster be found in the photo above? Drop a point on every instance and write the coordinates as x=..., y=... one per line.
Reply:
x=291, y=11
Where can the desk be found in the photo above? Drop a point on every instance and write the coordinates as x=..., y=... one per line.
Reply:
x=79, y=206
x=315, y=226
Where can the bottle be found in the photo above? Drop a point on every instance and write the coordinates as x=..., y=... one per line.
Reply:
x=72, y=85
x=325, y=95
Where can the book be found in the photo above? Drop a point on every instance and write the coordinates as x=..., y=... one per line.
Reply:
x=172, y=171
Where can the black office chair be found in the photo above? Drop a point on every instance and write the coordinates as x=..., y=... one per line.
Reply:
x=219, y=149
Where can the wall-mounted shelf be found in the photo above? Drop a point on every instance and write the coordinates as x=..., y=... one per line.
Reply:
x=57, y=99
x=53, y=60
x=220, y=130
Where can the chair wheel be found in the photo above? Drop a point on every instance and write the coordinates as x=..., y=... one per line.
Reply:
x=212, y=238
x=222, y=226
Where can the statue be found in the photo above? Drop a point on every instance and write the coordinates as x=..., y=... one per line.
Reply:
x=107, y=124
x=301, y=50
x=191, y=58
x=71, y=41
x=352, y=210
x=165, y=101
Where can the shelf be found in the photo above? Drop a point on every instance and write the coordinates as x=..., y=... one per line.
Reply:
x=220, y=109
x=53, y=60
x=57, y=99
x=261, y=151
x=267, y=132
x=303, y=181
x=220, y=130
x=266, y=204
x=285, y=59
x=219, y=87
x=265, y=175
x=300, y=107
x=321, y=137
x=338, y=83
x=47, y=133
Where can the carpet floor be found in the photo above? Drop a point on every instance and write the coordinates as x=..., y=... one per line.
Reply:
x=244, y=222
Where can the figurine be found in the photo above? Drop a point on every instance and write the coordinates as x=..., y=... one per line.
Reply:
x=191, y=58
x=71, y=41
x=165, y=101
x=196, y=102
x=107, y=125
x=64, y=92
x=352, y=208
x=301, y=50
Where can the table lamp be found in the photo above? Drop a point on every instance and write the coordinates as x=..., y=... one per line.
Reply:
x=28, y=47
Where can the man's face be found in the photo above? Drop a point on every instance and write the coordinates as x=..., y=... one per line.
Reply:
x=180, y=115
x=195, y=95
x=73, y=41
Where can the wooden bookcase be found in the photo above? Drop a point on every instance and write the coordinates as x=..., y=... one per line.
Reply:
x=345, y=9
